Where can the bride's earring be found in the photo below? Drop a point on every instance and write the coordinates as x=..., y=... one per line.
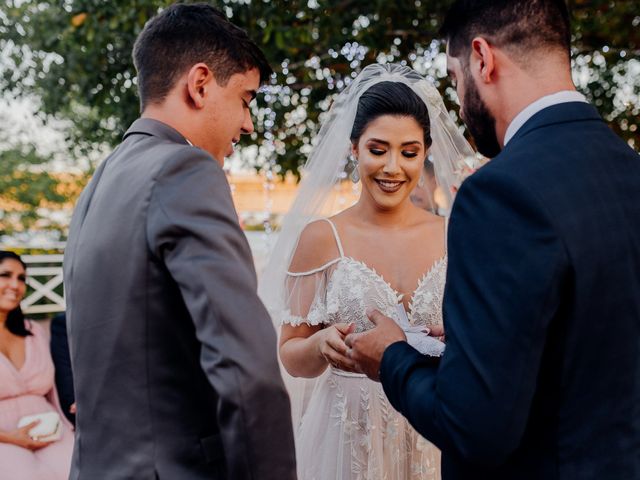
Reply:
x=421, y=181
x=355, y=174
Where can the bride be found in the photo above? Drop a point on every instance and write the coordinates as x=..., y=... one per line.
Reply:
x=382, y=253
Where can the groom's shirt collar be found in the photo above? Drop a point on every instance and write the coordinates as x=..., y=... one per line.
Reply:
x=564, y=96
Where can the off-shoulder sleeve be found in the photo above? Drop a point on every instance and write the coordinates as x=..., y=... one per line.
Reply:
x=306, y=296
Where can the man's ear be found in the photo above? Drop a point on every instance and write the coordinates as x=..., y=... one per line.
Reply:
x=199, y=78
x=482, y=61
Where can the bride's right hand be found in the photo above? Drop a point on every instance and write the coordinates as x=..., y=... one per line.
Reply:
x=332, y=348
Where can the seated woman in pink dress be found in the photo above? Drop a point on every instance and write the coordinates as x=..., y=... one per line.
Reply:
x=26, y=387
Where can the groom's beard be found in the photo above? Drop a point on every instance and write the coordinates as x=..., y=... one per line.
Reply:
x=479, y=121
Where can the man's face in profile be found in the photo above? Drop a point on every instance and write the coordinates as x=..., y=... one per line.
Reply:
x=473, y=111
x=229, y=114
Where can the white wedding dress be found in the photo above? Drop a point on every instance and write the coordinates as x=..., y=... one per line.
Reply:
x=349, y=430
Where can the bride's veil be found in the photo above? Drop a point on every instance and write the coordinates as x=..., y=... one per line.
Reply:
x=451, y=154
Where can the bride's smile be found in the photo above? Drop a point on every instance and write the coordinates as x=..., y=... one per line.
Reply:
x=389, y=186
x=390, y=154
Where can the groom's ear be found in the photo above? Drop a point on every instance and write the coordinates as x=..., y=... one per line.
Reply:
x=199, y=79
x=482, y=62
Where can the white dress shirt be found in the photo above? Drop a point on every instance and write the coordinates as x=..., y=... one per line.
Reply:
x=564, y=96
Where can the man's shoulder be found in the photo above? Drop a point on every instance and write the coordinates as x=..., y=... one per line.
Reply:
x=159, y=149
x=572, y=130
x=189, y=161
x=562, y=150
x=163, y=157
x=186, y=174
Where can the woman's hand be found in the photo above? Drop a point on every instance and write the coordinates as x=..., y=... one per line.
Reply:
x=331, y=346
x=21, y=438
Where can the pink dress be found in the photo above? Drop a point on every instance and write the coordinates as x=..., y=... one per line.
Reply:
x=28, y=391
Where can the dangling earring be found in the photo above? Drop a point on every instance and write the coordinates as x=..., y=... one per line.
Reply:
x=421, y=181
x=355, y=174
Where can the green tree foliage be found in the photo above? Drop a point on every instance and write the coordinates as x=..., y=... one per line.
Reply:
x=27, y=191
x=75, y=55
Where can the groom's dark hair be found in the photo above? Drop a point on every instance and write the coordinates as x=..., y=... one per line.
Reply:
x=181, y=36
x=518, y=25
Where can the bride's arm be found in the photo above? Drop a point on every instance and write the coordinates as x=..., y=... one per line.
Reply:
x=306, y=350
x=307, y=343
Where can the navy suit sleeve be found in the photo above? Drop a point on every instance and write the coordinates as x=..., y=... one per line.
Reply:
x=504, y=282
x=62, y=364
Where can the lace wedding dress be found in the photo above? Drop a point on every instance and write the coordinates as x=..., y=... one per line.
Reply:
x=349, y=430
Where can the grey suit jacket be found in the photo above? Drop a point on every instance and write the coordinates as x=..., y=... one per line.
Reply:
x=174, y=355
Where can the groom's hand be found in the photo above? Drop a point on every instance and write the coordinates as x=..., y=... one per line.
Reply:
x=366, y=349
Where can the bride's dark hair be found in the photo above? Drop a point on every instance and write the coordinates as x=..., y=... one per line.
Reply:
x=15, y=318
x=390, y=98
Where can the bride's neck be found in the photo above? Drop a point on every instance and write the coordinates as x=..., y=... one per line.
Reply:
x=371, y=213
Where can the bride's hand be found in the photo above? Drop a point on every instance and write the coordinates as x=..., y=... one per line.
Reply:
x=332, y=348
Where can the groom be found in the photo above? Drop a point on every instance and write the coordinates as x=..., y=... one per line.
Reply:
x=174, y=356
x=541, y=375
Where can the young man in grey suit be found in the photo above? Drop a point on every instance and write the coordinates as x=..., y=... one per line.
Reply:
x=174, y=356
x=541, y=374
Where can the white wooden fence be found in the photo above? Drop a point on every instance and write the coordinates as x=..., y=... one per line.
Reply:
x=44, y=276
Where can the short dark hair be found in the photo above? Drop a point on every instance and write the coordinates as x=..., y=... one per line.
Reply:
x=15, y=319
x=181, y=36
x=390, y=98
x=532, y=24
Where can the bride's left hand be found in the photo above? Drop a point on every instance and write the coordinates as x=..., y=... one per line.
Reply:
x=332, y=347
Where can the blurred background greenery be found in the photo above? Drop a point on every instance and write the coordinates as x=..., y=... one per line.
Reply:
x=72, y=60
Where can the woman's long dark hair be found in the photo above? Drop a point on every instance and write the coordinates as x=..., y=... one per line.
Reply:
x=15, y=319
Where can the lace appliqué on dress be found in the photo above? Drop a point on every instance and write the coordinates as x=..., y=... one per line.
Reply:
x=315, y=317
x=426, y=306
x=353, y=287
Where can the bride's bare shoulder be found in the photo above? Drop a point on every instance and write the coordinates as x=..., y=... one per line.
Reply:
x=317, y=246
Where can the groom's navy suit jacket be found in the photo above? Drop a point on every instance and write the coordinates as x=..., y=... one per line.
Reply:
x=541, y=375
